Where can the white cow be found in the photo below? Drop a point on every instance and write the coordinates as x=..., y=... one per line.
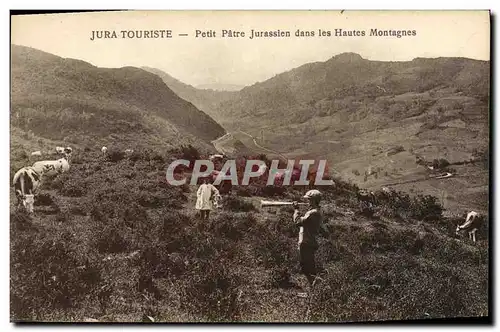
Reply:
x=36, y=153
x=129, y=151
x=471, y=225
x=44, y=166
x=26, y=183
x=104, y=150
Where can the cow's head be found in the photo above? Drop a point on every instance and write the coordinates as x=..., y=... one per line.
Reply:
x=29, y=202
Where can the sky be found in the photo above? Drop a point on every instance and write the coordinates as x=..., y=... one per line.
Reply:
x=244, y=61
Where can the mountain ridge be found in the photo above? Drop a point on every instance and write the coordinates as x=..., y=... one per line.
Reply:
x=349, y=110
x=68, y=99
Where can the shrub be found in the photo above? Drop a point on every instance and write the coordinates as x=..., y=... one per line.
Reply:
x=211, y=290
x=280, y=277
x=275, y=249
x=269, y=191
x=365, y=288
x=158, y=261
x=236, y=204
x=224, y=225
x=111, y=239
x=20, y=220
x=187, y=152
x=73, y=188
x=440, y=163
x=62, y=217
x=44, y=199
x=426, y=208
x=243, y=191
x=115, y=156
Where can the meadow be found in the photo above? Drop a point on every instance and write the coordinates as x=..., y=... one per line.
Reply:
x=111, y=241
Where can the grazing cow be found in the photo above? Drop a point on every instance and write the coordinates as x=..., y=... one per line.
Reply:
x=471, y=225
x=59, y=149
x=366, y=196
x=129, y=151
x=26, y=182
x=366, y=201
x=36, y=153
x=104, y=150
x=45, y=166
x=216, y=156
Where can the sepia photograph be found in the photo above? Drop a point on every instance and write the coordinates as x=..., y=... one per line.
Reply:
x=305, y=166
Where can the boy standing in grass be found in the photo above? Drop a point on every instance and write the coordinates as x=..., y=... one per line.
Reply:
x=309, y=228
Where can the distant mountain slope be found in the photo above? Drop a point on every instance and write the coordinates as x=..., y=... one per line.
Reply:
x=293, y=96
x=220, y=87
x=206, y=100
x=71, y=100
x=351, y=111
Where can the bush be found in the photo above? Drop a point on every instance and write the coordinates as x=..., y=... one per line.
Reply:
x=440, y=163
x=211, y=290
x=187, y=152
x=72, y=188
x=280, y=278
x=158, y=261
x=369, y=288
x=20, y=220
x=115, y=156
x=426, y=208
x=236, y=204
x=275, y=249
x=47, y=274
x=44, y=199
x=111, y=240
x=224, y=225
x=243, y=191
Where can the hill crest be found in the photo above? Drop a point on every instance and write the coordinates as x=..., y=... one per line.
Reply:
x=67, y=99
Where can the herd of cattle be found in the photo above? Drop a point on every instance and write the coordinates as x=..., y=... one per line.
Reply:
x=28, y=179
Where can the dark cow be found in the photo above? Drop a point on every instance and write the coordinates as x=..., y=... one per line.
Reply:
x=366, y=201
x=26, y=182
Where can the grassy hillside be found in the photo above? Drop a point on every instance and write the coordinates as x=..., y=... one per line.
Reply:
x=71, y=101
x=111, y=241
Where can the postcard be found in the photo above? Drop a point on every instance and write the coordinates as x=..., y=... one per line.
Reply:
x=250, y=166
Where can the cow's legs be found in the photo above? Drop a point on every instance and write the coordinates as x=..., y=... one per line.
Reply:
x=19, y=200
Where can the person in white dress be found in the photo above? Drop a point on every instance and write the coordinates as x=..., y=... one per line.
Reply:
x=207, y=197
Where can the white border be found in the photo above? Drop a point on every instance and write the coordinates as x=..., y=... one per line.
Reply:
x=185, y=4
